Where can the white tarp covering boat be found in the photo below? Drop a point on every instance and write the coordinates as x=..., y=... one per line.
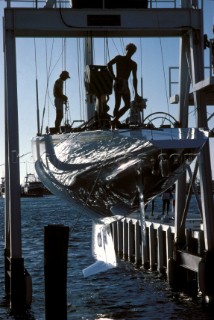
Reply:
x=99, y=169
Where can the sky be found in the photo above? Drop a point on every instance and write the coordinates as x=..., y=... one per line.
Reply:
x=42, y=60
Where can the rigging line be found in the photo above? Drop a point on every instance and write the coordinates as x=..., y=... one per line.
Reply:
x=191, y=81
x=47, y=82
x=107, y=50
x=104, y=50
x=80, y=63
x=35, y=58
x=49, y=72
x=37, y=96
x=64, y=62
x=163, y=65
x=64, y=54
x=162, y=58
x=141, y=66
x=164, y=73
x=122, y=46
x=115, y=46
x=79, y=72
x=93, y=51
x=83, y=63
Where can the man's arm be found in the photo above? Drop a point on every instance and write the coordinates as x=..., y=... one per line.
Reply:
x=110, y=67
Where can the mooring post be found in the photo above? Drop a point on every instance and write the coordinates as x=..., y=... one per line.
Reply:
x=55, y=266
x=120, y=237
x=130, y=240
x=151, y=247
x=17, y=299
x=125, y=239
x=137, y=243
x=114, y=234
x=160, y=255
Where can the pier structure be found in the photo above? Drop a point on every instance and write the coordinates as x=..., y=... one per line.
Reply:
x=160, y=248
x=59, y=19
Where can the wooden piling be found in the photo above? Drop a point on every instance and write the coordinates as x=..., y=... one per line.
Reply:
x=17, y=286
x=130, y=240
x=151, y=247
x=120, y=237
x=114, y=235
x=137, y=242
x=144, y=249
x=125, y=239
x=160, y=249
x=55, y=266
x=169, y=245
x=159, y=252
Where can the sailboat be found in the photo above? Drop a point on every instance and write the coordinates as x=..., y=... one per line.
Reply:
x=100, y=168
x=105, y=170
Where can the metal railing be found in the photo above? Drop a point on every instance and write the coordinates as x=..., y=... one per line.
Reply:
x=209, y=70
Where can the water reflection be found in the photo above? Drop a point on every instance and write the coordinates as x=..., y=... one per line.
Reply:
x=123, y=293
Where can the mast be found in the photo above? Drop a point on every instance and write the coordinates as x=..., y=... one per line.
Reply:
x=90, y=99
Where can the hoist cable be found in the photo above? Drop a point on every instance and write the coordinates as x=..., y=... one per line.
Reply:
x=37, y=94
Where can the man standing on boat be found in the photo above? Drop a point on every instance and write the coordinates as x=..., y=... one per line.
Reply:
x=124, y=67
x=60, y=99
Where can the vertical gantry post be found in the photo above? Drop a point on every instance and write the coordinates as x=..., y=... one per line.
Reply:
x=13, y=210
x=184, y=86
x=6, y=211
x=197, y=47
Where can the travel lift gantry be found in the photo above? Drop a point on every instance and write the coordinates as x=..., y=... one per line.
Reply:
x=185, y=22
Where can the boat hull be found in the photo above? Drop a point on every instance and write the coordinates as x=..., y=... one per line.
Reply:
x=102, y=170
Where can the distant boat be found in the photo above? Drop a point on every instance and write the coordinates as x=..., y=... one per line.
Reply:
x=2, y=188
x=32, y=187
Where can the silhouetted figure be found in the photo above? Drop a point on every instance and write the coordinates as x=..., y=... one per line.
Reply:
x=166, y=197
x=124, y=67
x=60, y=99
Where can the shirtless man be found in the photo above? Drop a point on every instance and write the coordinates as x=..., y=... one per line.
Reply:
x=124, y=67
x=60, y=98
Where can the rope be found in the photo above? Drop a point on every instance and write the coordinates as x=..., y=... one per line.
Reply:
x=49, y=70
x=162, y=58
x=37, y=97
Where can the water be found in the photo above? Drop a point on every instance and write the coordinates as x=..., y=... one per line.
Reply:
x=121, y=293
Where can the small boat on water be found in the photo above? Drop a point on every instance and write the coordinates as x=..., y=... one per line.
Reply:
x=2, y=188
x=32, y=187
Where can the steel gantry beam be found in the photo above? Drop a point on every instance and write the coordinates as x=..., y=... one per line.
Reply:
x=101, y=22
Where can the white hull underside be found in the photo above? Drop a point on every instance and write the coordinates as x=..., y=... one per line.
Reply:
x=100, y=170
